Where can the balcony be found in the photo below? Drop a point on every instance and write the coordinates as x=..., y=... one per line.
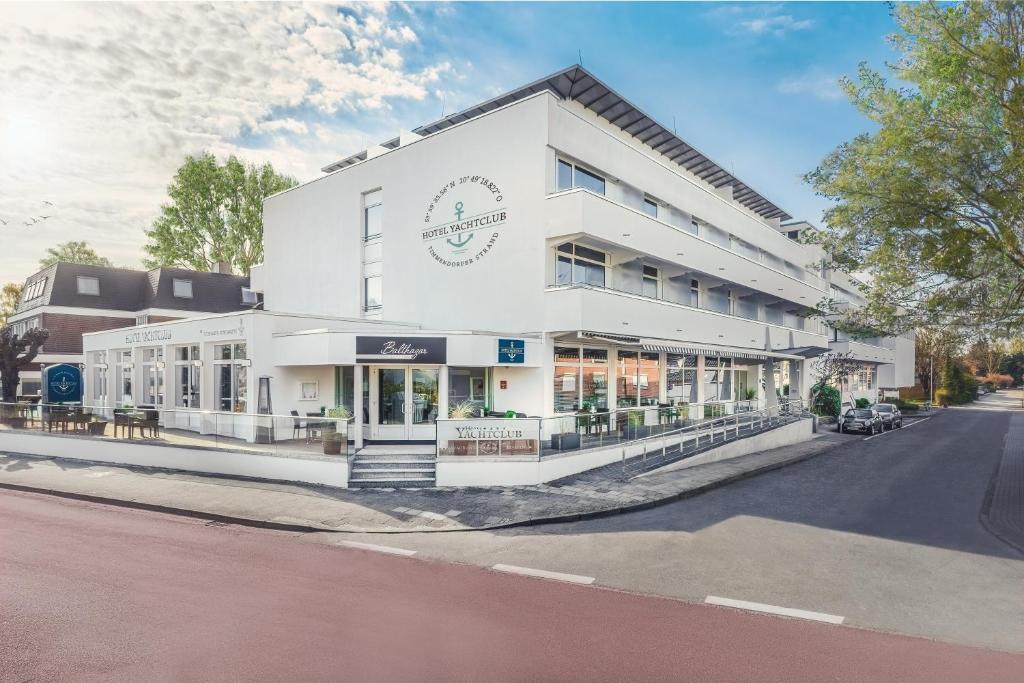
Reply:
x=869, y=353
x=579, y=212
x=597, y=309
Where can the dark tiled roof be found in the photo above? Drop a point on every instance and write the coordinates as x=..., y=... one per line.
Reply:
x=122, y=289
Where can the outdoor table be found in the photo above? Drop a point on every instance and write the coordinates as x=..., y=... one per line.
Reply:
x=600, y=421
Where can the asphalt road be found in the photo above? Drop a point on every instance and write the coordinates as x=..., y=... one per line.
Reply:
x=89, y=592
x=884, y=532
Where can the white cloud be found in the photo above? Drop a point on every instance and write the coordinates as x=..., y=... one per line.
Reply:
x=777, y=25
x=100, y=103
x=820, y=86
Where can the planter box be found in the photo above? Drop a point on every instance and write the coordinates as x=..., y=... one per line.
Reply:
x=96, y=428
x=566, y=441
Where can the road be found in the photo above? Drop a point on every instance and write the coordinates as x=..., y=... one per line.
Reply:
x=98, y=593
x=884, y=531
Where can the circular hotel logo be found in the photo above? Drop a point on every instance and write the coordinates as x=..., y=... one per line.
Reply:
x=464, y=220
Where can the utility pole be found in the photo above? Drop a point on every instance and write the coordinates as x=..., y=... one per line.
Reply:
x=931, y=379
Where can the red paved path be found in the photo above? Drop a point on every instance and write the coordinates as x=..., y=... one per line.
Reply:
x=89, y=592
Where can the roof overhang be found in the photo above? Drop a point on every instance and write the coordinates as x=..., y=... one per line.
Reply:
x=752, y=356
x=579, y=85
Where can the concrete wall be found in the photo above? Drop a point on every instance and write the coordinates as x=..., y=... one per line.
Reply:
x=309, y=469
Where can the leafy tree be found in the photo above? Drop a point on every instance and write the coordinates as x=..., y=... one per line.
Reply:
x=1013, y=365
x=931, y=350
x=73, y=252
x=16, y=352
x=831, y=370
x=10, y=295
x=958, y=384
x=827, y=400
x=986, y=355
x=215, y=214
x=930, y=203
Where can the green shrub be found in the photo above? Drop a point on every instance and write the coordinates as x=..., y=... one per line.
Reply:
x=863, y=403
x=827, y=400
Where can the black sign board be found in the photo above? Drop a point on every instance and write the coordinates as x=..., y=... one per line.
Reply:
x=405, y=350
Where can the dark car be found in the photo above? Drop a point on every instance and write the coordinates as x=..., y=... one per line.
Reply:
x=892, y=418
x=865, y=420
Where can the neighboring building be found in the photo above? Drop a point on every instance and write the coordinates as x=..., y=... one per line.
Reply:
x=70, y=299
x=549, y=250
x=887, y=362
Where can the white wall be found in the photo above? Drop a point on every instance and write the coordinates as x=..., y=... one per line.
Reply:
x=310, y=469
x=313, y=233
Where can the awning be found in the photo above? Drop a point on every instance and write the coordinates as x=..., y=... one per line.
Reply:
x=806, y=351
x=717, y=350
x=611, y=338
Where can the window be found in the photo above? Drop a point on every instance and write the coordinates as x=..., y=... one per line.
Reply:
x=142, y=319
x=309, y=390
x=99, y=378
x=694, y=228
x=232, y=377
x=650, y=207
x=153, y=377
x=373, y=213
x=123, y=370
x=373, y=297
x=681, y=378
x=88, y=285
x=580, y=265
x=570, y=176
x=694, y=293
x=373, y=251
x=638, y=378
x=34, y=290
x=581, y=379
x=182, y=288
x=650, y=282
x=186, y=373
x=468, y=385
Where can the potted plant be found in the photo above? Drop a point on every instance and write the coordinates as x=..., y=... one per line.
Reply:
x=332, y=436
x=462, y=411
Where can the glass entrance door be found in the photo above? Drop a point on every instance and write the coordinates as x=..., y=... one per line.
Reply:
x=407, y=403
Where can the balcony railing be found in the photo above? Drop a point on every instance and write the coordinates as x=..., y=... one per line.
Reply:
x=715, y=305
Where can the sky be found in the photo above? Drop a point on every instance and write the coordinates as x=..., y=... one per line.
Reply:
x=100, y=102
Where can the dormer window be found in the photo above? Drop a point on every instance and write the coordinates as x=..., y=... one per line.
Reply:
x=182, y=288
x=89, y=286
x=34, y=290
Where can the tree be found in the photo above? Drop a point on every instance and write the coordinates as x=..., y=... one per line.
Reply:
x=73, y=252
x=958, y=385
x=215, y=214
x=986, y=355
x=932, y=347
x=10, y=295
x=17, y=351
x=831, y=370
x=1013, y=365
x=929, y=203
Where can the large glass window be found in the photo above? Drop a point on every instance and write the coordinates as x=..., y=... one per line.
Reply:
x=123, y=370
x=580, y=265
x=232, y=375
x=99, y=378
x=650, y=207
x=373, y=288
x=186, y=376
x=571, y=175
x=712, y=379
x=650, y=282
x=626, y=379
x=153, y=377
x=373, y=214
x=391, y=396
x=649, y=378
x=681, y=378
x=424, y=395
x=467, y=385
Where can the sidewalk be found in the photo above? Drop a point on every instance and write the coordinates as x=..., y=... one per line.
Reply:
x=595, y=493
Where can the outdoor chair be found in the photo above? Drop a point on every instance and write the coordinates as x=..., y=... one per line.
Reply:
x=150, y=420
x=297, y=425
x=122, y=419
x=57, y=416
x=314, y=427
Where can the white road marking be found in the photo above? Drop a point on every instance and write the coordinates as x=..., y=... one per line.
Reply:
x=906, y=426
x=379, y=548
x=772, y=609
x=541, y=573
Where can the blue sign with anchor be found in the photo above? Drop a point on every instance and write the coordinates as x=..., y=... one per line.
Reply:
x=511, y=351
x=62, y=384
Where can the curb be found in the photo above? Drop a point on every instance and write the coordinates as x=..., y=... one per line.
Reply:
x=306, y=528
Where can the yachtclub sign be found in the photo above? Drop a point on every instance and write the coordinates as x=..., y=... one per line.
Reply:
x=464, y=221
x=432, y=350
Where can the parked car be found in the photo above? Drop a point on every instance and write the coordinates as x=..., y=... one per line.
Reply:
x=891, y=416
x=866, y=420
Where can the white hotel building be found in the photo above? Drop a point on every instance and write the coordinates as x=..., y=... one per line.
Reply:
x=549, y=250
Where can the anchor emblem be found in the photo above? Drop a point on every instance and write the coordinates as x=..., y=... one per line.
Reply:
x=64, y=386
x=458, y=242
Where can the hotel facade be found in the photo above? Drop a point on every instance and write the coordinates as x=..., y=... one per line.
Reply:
x=549, y=251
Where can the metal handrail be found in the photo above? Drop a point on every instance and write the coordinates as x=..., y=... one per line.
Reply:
x=708, y=426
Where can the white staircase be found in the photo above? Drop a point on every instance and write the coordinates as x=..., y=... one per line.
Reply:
x=393, y=466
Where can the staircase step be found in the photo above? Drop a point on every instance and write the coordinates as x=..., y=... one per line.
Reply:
x=390, y=471
x=394, y=459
